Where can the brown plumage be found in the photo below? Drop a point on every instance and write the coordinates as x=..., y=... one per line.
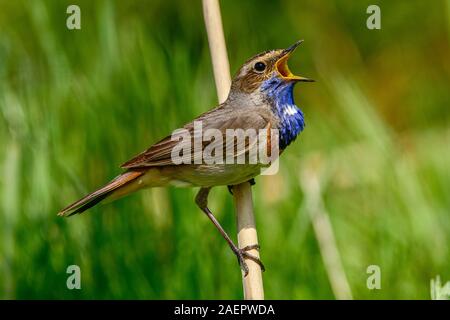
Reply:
x=245, y=108
x=95, y=197
x=250, y=105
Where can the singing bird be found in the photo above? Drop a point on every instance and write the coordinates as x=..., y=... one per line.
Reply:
x=261, y=97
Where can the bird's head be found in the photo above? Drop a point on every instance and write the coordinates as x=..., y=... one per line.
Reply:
x=266, y=69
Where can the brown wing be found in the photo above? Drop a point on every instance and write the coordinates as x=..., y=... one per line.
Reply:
x=221, y=118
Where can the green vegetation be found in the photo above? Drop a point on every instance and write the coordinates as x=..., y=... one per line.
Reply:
x=74, y=105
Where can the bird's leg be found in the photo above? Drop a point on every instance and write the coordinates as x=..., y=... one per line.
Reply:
x=202, y=201
x=251, y=181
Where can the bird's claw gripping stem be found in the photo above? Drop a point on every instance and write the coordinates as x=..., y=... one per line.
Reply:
x=242, y=254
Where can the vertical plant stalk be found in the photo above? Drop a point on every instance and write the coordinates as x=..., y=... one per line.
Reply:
x=247, y=235
x=310, y=183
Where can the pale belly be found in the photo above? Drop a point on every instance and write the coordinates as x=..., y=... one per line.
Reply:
x=211, y=175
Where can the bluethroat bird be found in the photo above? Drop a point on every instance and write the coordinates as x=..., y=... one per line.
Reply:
x=261, y=97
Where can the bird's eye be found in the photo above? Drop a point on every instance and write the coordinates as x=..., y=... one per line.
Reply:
x=260, y=66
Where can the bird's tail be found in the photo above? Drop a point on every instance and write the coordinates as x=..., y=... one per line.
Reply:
x=101, y=194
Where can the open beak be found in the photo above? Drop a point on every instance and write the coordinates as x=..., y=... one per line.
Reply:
x=282, y=66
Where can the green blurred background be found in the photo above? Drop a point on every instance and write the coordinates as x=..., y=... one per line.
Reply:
x=374, y=157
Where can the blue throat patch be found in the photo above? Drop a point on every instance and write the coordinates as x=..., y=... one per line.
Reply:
x=291, y=117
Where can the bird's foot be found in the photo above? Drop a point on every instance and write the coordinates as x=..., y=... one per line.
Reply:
x=251, y=181
x=243, y=254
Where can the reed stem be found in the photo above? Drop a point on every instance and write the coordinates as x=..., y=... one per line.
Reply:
x=247, y=235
